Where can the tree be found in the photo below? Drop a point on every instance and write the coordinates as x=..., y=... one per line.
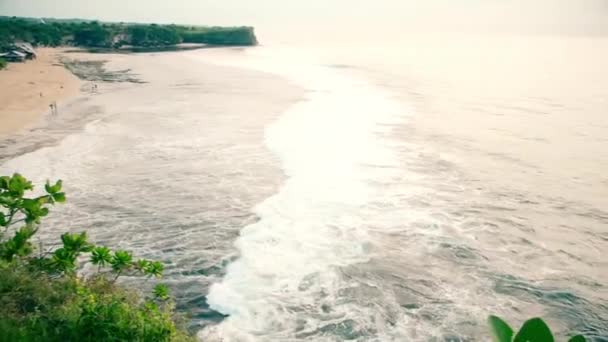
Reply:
x=93, y=35
x=153, y=35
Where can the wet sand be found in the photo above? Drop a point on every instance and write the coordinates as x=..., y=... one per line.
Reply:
x=28, y=89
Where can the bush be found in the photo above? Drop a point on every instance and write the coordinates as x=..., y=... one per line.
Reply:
x=43, y=298
x=2, y=64
x=36, y=307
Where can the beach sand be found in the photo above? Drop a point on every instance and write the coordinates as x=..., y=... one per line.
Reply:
x=29, y=88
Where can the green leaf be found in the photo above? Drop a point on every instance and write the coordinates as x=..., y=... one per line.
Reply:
x=64, y=260
x=76, y=243
x=101, y=256
x=17, y=185
x=161, y=291
x=30, y=204
x=7, y=200
x=43, y=200
x=534, y=330
x=577, y=338
x=142, y=264
x=154, y=269
x=501, y=331
x=4, y=181
x=3, y=221
x=52, y=189
x=121, y=260
x=59, y=197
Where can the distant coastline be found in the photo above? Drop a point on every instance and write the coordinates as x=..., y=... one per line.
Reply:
x=118, y=36
x=39, y=73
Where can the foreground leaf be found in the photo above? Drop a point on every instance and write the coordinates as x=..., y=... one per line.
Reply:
x=501, y=331
x=534, y=330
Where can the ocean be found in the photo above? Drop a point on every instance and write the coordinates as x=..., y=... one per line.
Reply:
x=360, y=192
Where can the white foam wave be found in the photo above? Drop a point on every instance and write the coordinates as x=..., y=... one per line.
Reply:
x=331, y=146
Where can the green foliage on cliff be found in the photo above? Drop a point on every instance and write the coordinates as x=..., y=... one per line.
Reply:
x=92, y=35
x=18, y=29
x=42, y=296
x=107, y=35
x=153, y=35
x=219, y=35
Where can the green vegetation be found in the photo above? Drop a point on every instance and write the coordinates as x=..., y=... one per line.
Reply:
x=29, y=31
x=218, y=35
x=533, y=330
x=2, y=63
x=44, y=298
x=115, y=35
x=93, y=35
x=153, y=35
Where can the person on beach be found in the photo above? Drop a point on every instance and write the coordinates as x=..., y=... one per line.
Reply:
x=53, y=107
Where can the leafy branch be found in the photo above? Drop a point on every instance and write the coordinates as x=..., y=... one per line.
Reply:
x=16, y=209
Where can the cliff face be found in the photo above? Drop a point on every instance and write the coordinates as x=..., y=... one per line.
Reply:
x=231, y=36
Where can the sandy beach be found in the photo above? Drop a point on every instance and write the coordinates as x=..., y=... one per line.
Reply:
x=28, y=89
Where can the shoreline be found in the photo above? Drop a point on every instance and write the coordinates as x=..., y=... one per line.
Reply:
x=200, y=122
x=29, y=88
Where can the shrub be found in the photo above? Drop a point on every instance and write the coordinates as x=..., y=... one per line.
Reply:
x=43, y=298
x=2, y=64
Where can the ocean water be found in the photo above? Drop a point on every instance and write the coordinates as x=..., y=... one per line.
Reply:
x=446, y=179
x=398, y=192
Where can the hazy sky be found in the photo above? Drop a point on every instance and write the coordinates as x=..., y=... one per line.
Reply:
x=543, y=16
